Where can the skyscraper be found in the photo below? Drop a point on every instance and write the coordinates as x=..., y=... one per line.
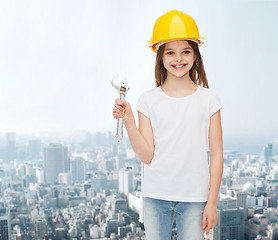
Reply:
x=78, y=171
x=5, y=224
x=56, y=161
x=267, y=152
x=230, y=223
x=241, y=198
x=1, y=188
x=125, y=181
x=40, y=228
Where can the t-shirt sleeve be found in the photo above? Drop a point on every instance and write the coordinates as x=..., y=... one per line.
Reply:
x=142, y=105
x=215, y=103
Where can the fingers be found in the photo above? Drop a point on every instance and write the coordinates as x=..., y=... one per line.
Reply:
x=117, y=113
x=119, y=107
x=118, y=110
x=204, y=221
x=208, y=225
x=120, y=102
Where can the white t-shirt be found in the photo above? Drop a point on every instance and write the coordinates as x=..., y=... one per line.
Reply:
x=179, y=170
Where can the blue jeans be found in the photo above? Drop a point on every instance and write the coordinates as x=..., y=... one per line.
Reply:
x=159, y=216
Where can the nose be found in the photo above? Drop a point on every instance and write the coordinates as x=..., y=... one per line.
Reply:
x=178, y=59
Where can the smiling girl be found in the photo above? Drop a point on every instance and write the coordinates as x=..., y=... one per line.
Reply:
x=177, y=120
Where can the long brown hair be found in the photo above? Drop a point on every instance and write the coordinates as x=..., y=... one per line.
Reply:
x=197, y=72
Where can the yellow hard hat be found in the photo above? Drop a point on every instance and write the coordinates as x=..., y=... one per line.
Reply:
x=174, y=25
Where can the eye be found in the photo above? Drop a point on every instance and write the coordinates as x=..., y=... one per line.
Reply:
x=170, y=53
x=186, y=52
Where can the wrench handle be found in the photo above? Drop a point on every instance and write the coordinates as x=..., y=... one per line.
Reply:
x=120, y=121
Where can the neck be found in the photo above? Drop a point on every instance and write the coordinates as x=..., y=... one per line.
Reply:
x=178, y=83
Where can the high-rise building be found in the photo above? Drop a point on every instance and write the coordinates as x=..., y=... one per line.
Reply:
x=29, y=169
x=251, y=201
x=125, y=181
x=241, y=197
x=78, y=170
x=5, y=224
x=230, y=223
x=267, y=152
x=56, y=161
x=40, y=174
x=272, y=201
x=120, y=162
x=40, y=228
x=1, y=188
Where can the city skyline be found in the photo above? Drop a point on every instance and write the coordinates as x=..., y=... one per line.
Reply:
x=251, y=146
x=95, y=191
x=58, y=58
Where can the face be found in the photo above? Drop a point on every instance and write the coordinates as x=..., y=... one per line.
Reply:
x=178, y=58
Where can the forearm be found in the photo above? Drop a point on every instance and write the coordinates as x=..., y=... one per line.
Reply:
x=216, y=173
x=138, y=143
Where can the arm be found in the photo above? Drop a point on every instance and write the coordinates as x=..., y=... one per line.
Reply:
x=216, y=157
x=216, y=170
x=141, y=139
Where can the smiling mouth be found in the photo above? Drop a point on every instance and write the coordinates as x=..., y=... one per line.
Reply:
x=179, y=66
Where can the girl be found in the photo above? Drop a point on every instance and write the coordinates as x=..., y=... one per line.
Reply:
x=177, y=119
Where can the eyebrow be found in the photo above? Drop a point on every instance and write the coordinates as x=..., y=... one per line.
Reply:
x=183, y=49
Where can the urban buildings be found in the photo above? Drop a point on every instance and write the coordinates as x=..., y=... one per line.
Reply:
x=5, y=224
x=56, y=161
x=91, y=189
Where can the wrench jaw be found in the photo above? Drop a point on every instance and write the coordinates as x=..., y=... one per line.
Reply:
x=122, y=88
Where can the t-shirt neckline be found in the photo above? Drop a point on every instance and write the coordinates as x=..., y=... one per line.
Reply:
x=185, y=97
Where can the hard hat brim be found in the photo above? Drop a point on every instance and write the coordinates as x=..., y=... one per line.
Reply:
x=155, y=46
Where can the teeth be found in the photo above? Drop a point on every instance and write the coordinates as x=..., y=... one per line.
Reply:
x=178, y=66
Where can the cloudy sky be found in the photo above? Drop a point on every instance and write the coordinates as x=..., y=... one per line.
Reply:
x=57, y=59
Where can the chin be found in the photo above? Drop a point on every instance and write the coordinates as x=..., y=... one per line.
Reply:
x=179, y=75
